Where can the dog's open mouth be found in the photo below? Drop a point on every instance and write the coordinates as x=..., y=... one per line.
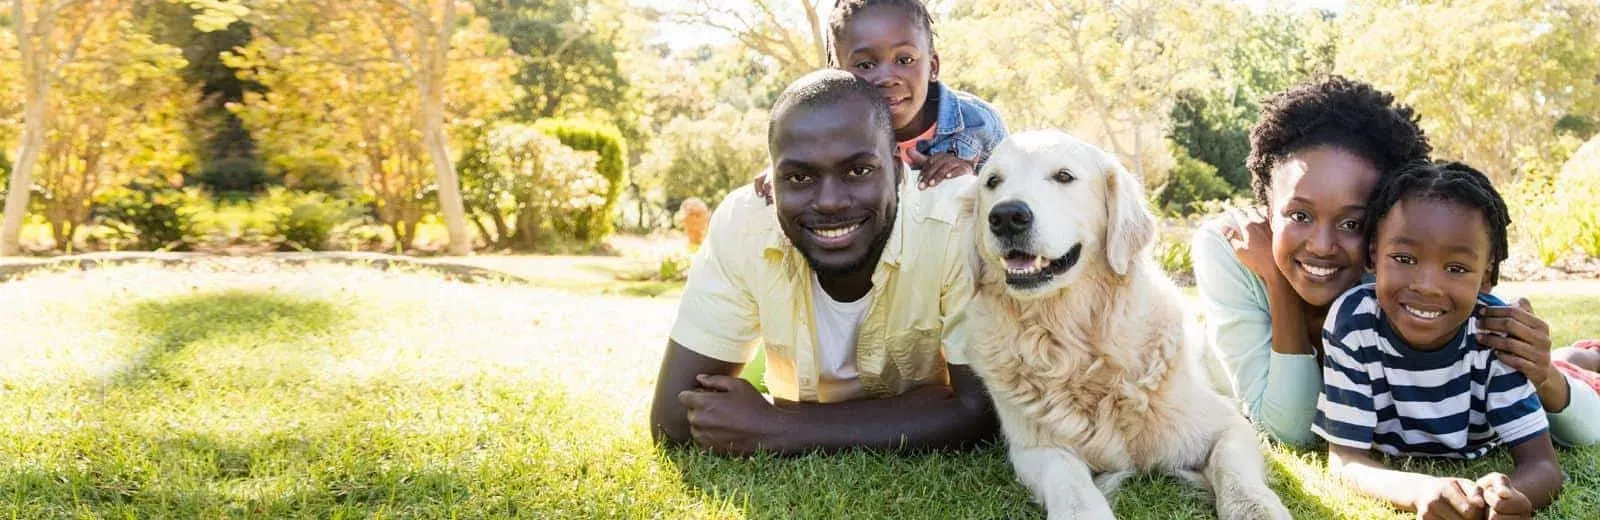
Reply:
x=1025, y=270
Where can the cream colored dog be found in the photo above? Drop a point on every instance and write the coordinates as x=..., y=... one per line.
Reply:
x=1081, y=342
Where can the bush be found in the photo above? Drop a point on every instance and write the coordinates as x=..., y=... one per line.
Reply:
x=524, y=182
x=233, y=175
x=590, y=225
x=306, y=220
x=1188, y=184
x=1579, y=186
x=686, y=164
x=159, y=218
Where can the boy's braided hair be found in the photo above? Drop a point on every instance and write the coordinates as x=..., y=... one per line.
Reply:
x=1334, y=111
x=844, y=10
x=1444, y=181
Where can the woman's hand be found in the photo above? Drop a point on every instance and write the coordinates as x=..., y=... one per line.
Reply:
x=1249, y=231
x=1522, y=341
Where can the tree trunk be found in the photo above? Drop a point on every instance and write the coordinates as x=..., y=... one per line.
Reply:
x=431, y=83
x=21, y=185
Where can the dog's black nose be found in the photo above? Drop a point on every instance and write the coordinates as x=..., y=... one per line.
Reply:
x=1010, y=218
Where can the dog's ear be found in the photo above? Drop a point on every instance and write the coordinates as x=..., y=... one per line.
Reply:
x=1129, y=228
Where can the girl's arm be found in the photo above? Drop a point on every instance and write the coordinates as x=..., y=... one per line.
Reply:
x=1430, y=497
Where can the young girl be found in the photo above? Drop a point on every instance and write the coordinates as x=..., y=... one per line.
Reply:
x=1403, y=372
x=942, y=133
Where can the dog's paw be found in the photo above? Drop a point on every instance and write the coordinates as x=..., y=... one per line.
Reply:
x=1267, y=507
x=1109, y=482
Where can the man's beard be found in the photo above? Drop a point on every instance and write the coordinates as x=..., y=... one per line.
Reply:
x=874, y=252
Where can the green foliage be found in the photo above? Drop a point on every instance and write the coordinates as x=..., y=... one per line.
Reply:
x=591, y=224
x=306, y=220
x=1190, y=182
x=707, y=157
x=1172, y=253
x=523, y=181
x=566, y=61
x=1214, y=131
x=234, y=175
x=157, y=217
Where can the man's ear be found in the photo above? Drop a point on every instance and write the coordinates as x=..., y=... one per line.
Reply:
x=1129, y=227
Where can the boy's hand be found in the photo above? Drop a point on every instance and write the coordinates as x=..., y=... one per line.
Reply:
x=1503, y=501
x=763, y=187
x=1451, y=499
x=727, y=415
x=938, y=168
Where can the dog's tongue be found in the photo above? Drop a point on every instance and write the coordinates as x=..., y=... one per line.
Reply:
x=1017, y=260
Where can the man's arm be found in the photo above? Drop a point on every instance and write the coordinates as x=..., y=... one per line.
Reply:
x=727, y=415
x=930, y=417
x=669, y=422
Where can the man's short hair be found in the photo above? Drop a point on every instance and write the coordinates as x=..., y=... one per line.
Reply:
x=825, y=87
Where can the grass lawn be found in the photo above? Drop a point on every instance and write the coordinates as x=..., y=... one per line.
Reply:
x=241, y=390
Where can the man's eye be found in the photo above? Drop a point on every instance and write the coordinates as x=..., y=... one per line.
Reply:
x=797, y=178
x=1350, y=225
x=862, y=171
x=1404, y=259
x=992, y=181
x=1299, y=216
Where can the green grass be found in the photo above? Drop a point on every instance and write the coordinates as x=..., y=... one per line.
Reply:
x=243, y=391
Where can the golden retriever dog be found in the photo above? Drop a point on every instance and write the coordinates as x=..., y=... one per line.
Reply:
x=1082, y=343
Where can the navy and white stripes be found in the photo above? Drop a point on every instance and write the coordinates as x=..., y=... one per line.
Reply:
x=1378, y=393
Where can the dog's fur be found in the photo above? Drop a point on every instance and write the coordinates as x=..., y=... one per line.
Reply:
x=1092, y=373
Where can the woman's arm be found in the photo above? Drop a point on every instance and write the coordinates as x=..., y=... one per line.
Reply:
x=1279, y=389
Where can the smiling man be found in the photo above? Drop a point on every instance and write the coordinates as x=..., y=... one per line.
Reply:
x=851, y=284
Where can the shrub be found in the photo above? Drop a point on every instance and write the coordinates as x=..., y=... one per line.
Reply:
x=685, y=164
x=1188, y=184
x=306, y=220
x=157, y=217
x=591, y=224
x=234, y=174
x=1579, y=187
x=524, y=182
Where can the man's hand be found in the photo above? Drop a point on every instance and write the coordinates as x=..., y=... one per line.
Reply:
x=938, y=168
x=1504, y=502
x=727, y=415
x=1451, y=499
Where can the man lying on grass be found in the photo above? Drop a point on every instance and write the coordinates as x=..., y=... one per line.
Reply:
x=852, y=285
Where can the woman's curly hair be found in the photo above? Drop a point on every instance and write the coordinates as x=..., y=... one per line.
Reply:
x=1334, y=111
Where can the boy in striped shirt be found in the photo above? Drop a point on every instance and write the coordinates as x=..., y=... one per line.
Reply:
x=1403, y=373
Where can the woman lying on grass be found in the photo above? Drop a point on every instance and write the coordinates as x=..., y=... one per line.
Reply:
x=1267, y=278
x=1403, y=370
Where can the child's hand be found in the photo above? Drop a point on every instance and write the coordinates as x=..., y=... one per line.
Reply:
x=763, y=187
x=1451, y=499
x=938, y=168
x=1502, y=500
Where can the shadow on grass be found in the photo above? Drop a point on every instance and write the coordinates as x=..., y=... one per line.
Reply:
x=173, y=325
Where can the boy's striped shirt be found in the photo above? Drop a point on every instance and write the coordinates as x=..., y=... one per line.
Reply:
x=1378, y=393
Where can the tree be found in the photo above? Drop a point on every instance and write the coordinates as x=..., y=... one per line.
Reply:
x=1275, y=51
x=566, y=57
x=112, y=120
x=48, y=35
x=1108, y=69
x=1492, y=80
x=685, y=164
x=347, y=92
x=789, y=32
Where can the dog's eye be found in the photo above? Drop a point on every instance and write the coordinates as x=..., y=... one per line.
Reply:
x=994, y=180
x=1063, y=176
